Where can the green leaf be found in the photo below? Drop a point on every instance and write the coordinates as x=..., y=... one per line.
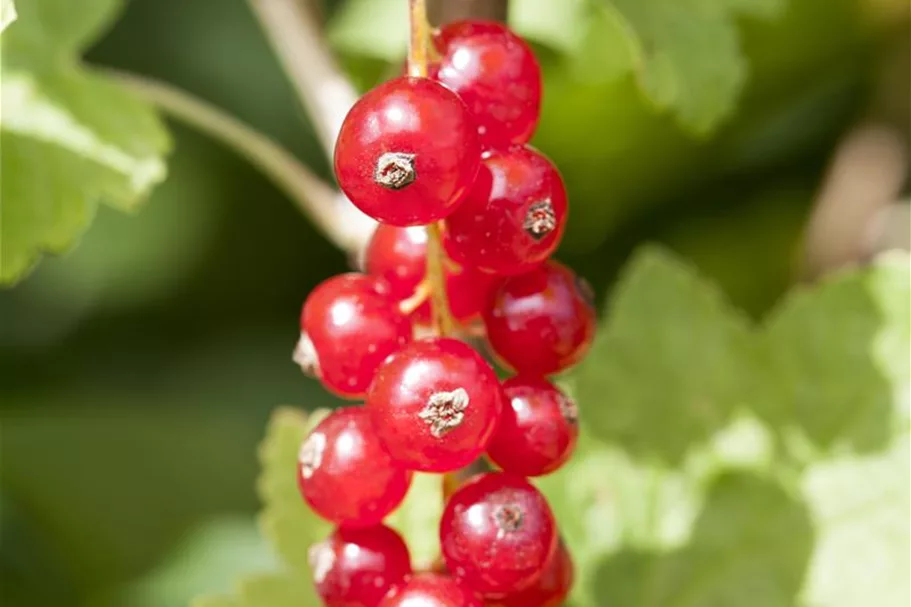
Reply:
x=375, y=28
x=71, y=136
x=7, y=13
x=837, y=358
x=270, y=590
x=417, y=519
x=669, y=363
x=286, y=520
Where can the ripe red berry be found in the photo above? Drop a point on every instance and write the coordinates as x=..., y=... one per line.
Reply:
x=344, y=473
x=349, y=324
x=399, y=256
x=497, y=534
x=543, y=321
x=496, y=75
x=538, y=429
x=514, y=216
x=357, y=567
x=552, y=587
x=407, y=152
x=431, y=590
x=435, y=404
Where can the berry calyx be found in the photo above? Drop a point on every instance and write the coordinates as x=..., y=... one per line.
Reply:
x=431, y=590
x=435, y=404
x=514, y=216
x=349, y=324
x=538, y=429
x=543, y=321
x=552, y=588
x=407, y=152
x=497, y=76
x=497, y=534
x=358, y=567
x=344, y=473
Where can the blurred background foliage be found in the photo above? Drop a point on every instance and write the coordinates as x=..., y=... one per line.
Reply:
x=137, y=371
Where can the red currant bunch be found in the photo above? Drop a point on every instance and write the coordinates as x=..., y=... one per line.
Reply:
x=469, y=215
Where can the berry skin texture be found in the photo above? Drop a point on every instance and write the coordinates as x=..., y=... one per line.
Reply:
x=543, y=321
x=497, y=76
x=538, y=430
x=349, y=324
x=435, y=405
x=357, y=567
x=407, y=152
x=344, y=474
x=497, y=534
x=431, y=590
x=514, y=217
x=552, y=587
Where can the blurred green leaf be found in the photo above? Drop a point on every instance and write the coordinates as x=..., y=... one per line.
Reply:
x=417, y=519
x=644, y=364
x=375, y=28
x=7, y=13
x=70, y=136
x=271, y=590
x=286, y=520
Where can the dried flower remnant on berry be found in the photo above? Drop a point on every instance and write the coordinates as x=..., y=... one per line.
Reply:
x=508, y=518
x=445, y=411
x=395, y=170
x=321, y=558
x=568, y=409
x=311, y=453
x=585, y=290
x=540, y=219
x=305, y=356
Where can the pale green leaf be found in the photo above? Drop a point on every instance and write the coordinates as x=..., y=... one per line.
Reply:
x=290, y=525
x=71, y=137
x=375, y=28
x=268, y=590
x=417, y=519
x=7, y=13
x=668, y=364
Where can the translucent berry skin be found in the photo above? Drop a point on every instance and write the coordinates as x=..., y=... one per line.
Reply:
x=431, y=590
x=344, y=474
x=497, y=534
x=541, y=322
x=349, y=324
x=514, y=217
x=552, y=588
x=357, y=567
x=538, y=429
x=496, y=75
x=399, y=256
x=407, y=152
x=435, y=404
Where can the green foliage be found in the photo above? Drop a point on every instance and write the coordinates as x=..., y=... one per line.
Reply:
x=70, y=136
x=421, y=510
x=7, y=13
x=686, y=54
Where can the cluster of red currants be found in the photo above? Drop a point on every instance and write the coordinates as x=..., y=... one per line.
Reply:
x=449, y=148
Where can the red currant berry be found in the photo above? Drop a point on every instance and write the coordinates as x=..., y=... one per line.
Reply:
x=357, y=567
x=435, y=404
x=543, y=321
x=496, y=75
x=497, y=534
x=514, y=217
x=538, y=429
x=431, y=590
x=407, y=152
x=349, y=324
x=398, y=255
x=552, y=587
x=344, y=473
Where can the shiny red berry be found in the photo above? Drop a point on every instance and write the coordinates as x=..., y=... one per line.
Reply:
x=431, y=590
x=543, y=321
x=538, y=429
x=497, y=534
x=552, y=587
x=435, y=404
x=514, y=216
x=496, y=75
x=357, y=567
x=407, y=152
x=349, y=324
x=399, y=256
x=344, y=473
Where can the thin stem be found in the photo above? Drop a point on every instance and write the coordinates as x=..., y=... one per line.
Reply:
x=325, y=91
x=419, y=41
x=334, y=215
x=441, y=316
